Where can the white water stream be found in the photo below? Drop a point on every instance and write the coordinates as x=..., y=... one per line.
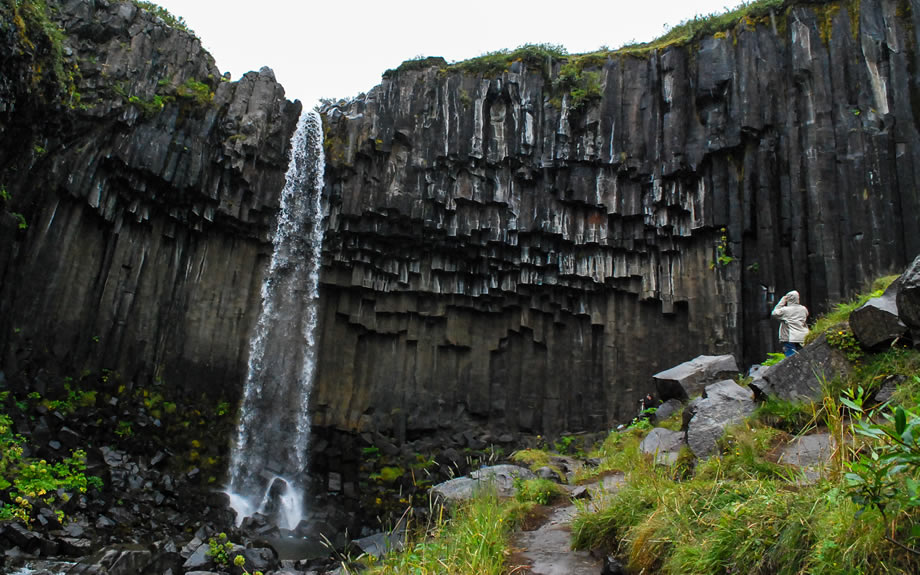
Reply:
x=268, y=466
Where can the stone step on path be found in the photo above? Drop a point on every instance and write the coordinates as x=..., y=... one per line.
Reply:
x=547, y=550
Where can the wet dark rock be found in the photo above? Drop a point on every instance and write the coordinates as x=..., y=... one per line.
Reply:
x=199, y=559
x=546, y=473
x=75, y=546
x=189, y=548
x=908, y=299
x=18, y=535
x=810, y=453
x=799, y=377
x=876, y=322
x=157, y=458
x=889, y=386
x=667, y=409
x=612, y=566
x=114, y=560
x=258, y=559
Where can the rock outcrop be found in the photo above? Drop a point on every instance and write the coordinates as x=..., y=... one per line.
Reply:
x=801, y=376
x=876, y=322
x=140, y=197
x=908, y=299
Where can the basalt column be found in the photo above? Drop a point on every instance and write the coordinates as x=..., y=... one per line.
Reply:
x=507, y=251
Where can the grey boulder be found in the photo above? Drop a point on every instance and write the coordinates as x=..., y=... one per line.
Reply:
x=799, y=378
x=723, y=404
x=691, y=377
x=876, y=322
x=500, y=477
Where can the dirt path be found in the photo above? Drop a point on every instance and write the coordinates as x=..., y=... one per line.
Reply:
x=547, y=549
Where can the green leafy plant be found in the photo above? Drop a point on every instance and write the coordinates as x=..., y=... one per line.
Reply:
x=845, y=341
x=723, y=251
x=773, y=359
x=124, y=429
x=199, y=92
x=219, y=549
x=541, y=491
x=563, y=444
x=25, y=481
x=887, y=474
x=581, y=86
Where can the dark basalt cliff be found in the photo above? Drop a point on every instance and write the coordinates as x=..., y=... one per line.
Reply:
x=500, y=247
x=503, y=248
x=147, y=188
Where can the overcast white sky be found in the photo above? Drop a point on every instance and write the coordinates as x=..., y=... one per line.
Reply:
x=339, y=49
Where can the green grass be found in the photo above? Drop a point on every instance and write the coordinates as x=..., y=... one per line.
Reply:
x=741, y=512
x=840, y=313
x=165, y=15
x=473, y=540
x=540, y=491
x=790, y=416
x=709, y=24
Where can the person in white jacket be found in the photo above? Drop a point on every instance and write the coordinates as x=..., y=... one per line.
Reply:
x=792, y=328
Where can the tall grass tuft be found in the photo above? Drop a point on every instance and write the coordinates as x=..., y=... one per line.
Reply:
x=473, y=539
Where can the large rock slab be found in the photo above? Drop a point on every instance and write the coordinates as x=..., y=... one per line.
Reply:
x=501, y=477
x=908, y=299
x=876, y=322
x=691, y=377
x=798, y=378
x=664, y=444
x=724, y=403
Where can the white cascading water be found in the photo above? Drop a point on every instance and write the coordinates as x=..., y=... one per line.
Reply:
x=269, y=460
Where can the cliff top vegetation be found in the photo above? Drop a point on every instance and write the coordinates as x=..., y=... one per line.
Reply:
x=747, y=14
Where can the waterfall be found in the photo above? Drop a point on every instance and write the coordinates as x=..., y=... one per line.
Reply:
x=269, y=459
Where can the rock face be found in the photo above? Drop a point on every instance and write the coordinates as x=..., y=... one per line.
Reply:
x=908, y=299
x=500, y=247
x=800, y=377
x=148, y=191
x=497, y=249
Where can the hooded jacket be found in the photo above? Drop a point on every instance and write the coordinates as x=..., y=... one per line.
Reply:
x=792, y=316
